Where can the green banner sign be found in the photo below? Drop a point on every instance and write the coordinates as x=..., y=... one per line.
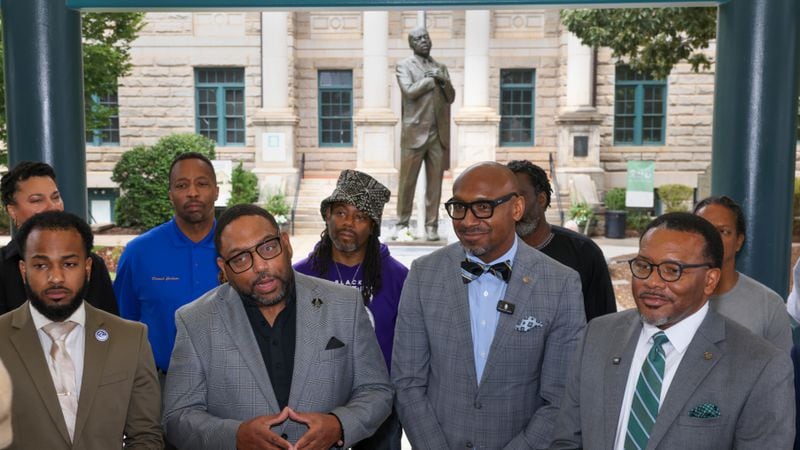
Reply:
x=639, y=193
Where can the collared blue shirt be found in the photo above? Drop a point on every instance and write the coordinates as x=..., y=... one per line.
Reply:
x=158, y=272
x=484, y=293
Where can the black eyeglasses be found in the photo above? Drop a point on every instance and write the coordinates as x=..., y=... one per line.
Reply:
x=482, y=209
x=243, y=261
x=669, y=271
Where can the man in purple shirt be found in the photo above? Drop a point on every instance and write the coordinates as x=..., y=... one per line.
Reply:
x=350, y=253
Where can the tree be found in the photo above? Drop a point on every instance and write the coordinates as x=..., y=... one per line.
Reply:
x=106, y=57
x=650, y=40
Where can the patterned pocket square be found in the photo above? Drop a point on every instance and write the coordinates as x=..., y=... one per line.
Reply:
x=705, y=411
x=528, y=324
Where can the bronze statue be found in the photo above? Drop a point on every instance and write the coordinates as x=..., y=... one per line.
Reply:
x=427, y=95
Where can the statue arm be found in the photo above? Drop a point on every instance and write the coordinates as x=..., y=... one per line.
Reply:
x=413, y=89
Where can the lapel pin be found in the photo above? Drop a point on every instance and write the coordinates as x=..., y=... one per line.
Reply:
x=616, y=360
x=526, y=279
x=707, y=356
x=101, y=335
x=316, y=302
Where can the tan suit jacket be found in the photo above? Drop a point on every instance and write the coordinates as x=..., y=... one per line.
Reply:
x=119, y=390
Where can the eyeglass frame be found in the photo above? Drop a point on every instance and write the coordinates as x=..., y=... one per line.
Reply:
x=470, y=205
x=681, y=268
x=254, y=249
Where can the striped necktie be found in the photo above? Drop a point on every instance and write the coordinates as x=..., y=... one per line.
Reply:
x=644, y=408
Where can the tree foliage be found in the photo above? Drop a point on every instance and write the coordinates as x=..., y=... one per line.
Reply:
x=244, y=186
x=649, y=40
x=142, y=174
x=106, y=57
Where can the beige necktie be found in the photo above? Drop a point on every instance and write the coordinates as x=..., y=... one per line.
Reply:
x=64, y=380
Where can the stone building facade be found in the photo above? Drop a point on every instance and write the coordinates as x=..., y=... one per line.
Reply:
x=280, y=58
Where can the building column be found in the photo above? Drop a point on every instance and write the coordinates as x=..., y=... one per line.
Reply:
x=375, y=121
x=579, y=122
x=476, y=121
x=276, y=121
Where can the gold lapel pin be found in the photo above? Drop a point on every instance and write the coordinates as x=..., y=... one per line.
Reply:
x=707, y=355
x=526, y=279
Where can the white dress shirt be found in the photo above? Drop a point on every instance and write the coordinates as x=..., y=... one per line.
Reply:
x=679, y=335
x=76, y=342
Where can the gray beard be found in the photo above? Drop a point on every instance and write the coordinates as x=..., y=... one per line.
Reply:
x=525, y=226
x=656, y=323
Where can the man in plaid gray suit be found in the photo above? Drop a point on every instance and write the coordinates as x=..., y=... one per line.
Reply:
x=273, y=359
x=481, y=350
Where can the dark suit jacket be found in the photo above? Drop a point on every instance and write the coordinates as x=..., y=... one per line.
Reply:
x=100, y=293
x=425, y=103
x=119, y=389
x=440, y=403
x=749, y=380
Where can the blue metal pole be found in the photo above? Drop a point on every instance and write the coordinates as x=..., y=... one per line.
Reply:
x=44, y=92
x=754, y=141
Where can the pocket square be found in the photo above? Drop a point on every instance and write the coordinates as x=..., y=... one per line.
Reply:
x=528, y=324
x=334, y=344
x=705, y=411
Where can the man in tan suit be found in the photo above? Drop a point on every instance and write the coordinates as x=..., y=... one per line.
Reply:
x=425, y=136
x=82, y=378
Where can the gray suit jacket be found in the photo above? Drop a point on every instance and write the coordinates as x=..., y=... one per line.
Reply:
x=119, y=394
x=748, y=379
x=425, y=103
x=439, y=400
x=217, y=378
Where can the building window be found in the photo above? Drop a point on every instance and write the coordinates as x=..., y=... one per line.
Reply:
x=102, y=202
x=335, y=108
x=220, y=104
x=109, y=134
x=639, y=108
x=516, y=107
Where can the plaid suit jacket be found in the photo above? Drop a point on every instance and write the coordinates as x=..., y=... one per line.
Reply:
x=217, y=378
x=440, y=402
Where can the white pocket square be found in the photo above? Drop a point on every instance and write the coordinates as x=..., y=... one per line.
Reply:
x=528, y=324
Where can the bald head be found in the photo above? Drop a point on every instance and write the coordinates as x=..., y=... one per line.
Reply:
x=420, y=41
x=489, y=172
x=490, y=189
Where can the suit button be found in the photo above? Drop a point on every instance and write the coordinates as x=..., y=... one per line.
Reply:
x=469, y=444
x=478, y=405
x=285, y=436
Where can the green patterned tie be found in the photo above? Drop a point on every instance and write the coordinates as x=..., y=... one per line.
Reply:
x=644, y=408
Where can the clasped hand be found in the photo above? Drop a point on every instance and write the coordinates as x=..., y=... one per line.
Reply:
x=323, y=432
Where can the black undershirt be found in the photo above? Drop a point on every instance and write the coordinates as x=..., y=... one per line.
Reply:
x=276, y=343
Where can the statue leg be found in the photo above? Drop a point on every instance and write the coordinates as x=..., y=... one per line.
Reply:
x=434, y=171
x=410, y=163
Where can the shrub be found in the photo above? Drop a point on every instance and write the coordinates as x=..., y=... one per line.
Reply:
x=615, y=199
x=277, y=205
x=143, y=177
x=244, y=186
x=637, y=219
x=675, y=197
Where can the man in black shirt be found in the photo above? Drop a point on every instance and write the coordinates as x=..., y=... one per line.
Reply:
x=567, y=247
x=27, y=189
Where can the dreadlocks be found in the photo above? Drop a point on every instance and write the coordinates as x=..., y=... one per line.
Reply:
x=322, y=257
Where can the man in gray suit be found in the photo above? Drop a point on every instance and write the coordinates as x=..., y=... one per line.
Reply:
x=273, y=359
x=673, y=374
x=486, y=328
x=425, y=135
